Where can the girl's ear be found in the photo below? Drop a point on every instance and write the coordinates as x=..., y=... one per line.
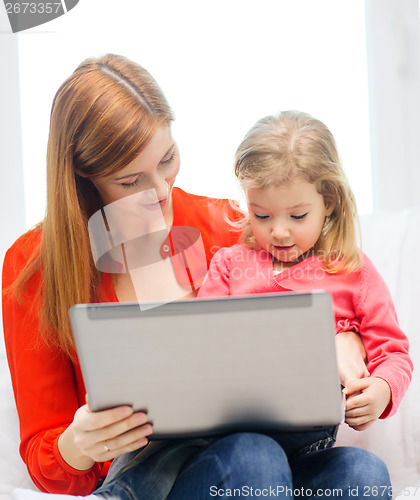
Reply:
x=329, y=206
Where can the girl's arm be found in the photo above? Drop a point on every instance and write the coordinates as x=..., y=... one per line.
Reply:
x=366, y=400
x=216, y=282
x=351, y=357
x=389, y=363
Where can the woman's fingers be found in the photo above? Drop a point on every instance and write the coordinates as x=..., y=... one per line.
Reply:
x=124, y=443
x=101, y=419
x=121, y=430
x=120, y=427
x=107, y=434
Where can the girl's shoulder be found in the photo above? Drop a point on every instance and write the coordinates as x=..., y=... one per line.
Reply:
x=369, y=273
x=367, y=267
x=240, y=253
x=361, y=281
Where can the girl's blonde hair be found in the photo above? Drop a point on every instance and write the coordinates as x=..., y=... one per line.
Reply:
x=280, y=148
x=102, y=117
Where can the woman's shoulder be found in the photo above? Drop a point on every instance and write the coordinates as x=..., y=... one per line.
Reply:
x=23, y=249
x=181, y=194
x=182, y=199
x=28, y=242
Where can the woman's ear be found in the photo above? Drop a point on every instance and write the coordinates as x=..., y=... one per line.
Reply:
x=80, y=173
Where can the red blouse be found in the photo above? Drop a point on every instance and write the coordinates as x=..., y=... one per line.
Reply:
x=48, y=387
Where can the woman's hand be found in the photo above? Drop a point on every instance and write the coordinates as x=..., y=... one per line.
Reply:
x=351, y=356
x=100, y=436
x=367, y=399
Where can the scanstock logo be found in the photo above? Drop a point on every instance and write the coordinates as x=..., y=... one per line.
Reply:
x=24, y=15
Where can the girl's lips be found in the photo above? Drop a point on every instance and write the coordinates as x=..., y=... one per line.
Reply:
x=283, y=248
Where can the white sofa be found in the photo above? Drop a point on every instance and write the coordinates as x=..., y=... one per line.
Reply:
x=392, y=240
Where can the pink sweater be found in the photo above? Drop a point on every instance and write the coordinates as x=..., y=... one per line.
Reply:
x=361, y=302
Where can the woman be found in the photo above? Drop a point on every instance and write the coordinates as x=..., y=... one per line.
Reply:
x=110, y=137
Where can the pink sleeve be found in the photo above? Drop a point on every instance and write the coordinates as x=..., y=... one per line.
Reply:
x=347, y=325
x=216, y=283
x=386, y=344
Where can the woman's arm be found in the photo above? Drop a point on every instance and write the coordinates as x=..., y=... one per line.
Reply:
x=61, y=449
x=100, y=436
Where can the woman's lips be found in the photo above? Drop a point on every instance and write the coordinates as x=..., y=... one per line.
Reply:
x=155, y=206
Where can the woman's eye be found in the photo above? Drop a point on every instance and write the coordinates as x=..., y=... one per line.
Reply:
x=128, y=185
x=169, y=160
x=299, y=217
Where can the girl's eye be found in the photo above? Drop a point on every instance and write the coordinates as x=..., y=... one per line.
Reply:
x=261, y=217
x=131, y=184
x=299, y=217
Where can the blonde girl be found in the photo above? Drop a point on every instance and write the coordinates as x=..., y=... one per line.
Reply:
x=300, y=235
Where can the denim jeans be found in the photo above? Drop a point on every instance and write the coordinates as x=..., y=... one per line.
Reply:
x=248, y=465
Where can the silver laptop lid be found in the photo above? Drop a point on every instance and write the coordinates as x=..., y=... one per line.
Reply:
x=202, y=367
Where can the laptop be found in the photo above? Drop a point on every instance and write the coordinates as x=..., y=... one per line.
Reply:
x=263, y=363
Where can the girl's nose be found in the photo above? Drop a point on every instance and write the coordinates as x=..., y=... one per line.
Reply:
x=280, y=231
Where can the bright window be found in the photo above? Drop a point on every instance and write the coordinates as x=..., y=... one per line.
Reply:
x=222, y=66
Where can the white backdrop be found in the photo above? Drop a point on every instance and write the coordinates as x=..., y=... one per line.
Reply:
x=222, y=66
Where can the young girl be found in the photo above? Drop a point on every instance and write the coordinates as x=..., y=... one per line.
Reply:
x=110, y=137
x=301, y=236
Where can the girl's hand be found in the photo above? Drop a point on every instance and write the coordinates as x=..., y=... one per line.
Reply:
x=100, y=436
x=351, y=356
x=367, y=399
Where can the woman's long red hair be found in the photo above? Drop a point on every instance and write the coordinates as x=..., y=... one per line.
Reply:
x=102, y=117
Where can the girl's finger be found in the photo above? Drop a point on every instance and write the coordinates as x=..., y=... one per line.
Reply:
x=357, y=412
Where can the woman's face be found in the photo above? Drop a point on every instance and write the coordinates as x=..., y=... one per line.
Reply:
x=153, y=172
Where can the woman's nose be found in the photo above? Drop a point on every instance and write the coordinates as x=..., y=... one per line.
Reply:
x=157, y=188
x=161, y=190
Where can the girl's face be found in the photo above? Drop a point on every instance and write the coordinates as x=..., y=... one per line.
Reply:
x=153, y=171
x=287, y=220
